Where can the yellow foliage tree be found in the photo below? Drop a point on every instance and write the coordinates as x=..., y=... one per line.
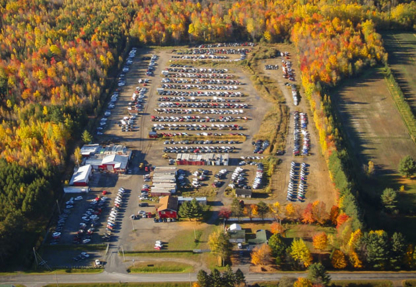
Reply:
x=300, y=252
x=355, y=260
x=338, y=260
x=302, y=282
x=320, y=241
x=261, y=255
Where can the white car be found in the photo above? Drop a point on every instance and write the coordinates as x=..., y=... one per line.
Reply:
x=107, y=113
x=97, y=262
x=85, y=241
x=78, y=198
x=125, y=69
x=99, y=133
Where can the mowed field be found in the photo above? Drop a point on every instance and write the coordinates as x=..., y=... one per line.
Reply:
x=376, y=132
x=372, y=122
x=402, y=59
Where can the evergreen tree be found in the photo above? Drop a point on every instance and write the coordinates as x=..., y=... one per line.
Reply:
x=204, y=280
x=278, y=247
x=228, y=277
x=220, y=245
x=398, y=250
x=389, y=200
x=191, y=210
x=317, y=274
x=240, y=279
x=236, y=208
x=216, y=280
x=407, y=166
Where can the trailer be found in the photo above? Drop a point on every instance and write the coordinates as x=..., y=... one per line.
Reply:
x=76, y=189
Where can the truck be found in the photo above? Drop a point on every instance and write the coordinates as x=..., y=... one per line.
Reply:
x=76, y=189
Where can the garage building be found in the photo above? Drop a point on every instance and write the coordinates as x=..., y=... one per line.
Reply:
x=81, y=176
x=168, y=208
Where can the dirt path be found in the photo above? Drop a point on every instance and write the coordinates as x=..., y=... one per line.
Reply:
x=319, y=184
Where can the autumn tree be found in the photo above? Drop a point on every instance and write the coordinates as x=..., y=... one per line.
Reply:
x=320, y=241
x=338, y=259
x=224, y=213
x=300, y=252
x=277, y=228
x=220, y=246
x=302, y=282
x=333, y=215
x=78, y=156
x=307, y=216
x=276, y=211
x=261, y=255
x=262, y=209
x=319, y=213
x=250, y=210
x=86, y=137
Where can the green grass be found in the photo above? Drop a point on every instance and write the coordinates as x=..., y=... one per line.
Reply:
x=142, y=284
x=160, y=267
x=186, y=240
x=361, y=283
x=185, y=255
x=57, y=271
x=337, y=283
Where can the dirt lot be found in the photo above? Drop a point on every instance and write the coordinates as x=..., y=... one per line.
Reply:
x=320, y=186
x=402, y=59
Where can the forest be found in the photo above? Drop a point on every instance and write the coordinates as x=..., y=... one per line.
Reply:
x=56, y=58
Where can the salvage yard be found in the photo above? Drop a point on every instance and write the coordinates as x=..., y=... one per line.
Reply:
x=206, y=122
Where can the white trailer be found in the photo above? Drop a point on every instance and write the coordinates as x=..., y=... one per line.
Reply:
x=77, y=189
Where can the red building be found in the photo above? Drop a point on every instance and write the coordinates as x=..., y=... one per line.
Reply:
x=168, y=208
x=82, y=176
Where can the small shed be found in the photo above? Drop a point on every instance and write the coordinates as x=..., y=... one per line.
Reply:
x=236, y=233
x=262, y=237
x=168, y=208
x=244, y=193
x=81, y=176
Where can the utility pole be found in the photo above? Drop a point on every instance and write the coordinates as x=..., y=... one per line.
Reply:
x=59, y=209
x=36, y=258
x=122, y=250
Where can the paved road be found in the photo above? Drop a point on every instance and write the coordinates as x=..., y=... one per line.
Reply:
x=40, y=280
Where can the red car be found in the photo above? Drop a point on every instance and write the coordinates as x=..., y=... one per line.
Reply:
x=105, y=192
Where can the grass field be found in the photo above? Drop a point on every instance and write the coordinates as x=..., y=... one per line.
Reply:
x=402, y=59
x=375, y=131
x=144, y=284
x=160, y=267
x=336, y=283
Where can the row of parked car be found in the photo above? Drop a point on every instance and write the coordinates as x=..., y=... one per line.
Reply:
x=225, y=94
x=200, y=149
x=199, y=87
x=201, y=142
x=193, y=99
x=61, y=222
x=258, y=180
x=89, y=220
x=260, y=146
x=239, y=179
x=200, y=57
x=201, y=81
x=271, y=67
x=297, y=175
x=114, y=213
x=212, y=51
x=197, y=119
x=126, y=68
x=235, y=44
x=196, y=127
x=201, y=111
x=301, y=130
x=152, y=66
x=177, y=68
x=288, y=72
